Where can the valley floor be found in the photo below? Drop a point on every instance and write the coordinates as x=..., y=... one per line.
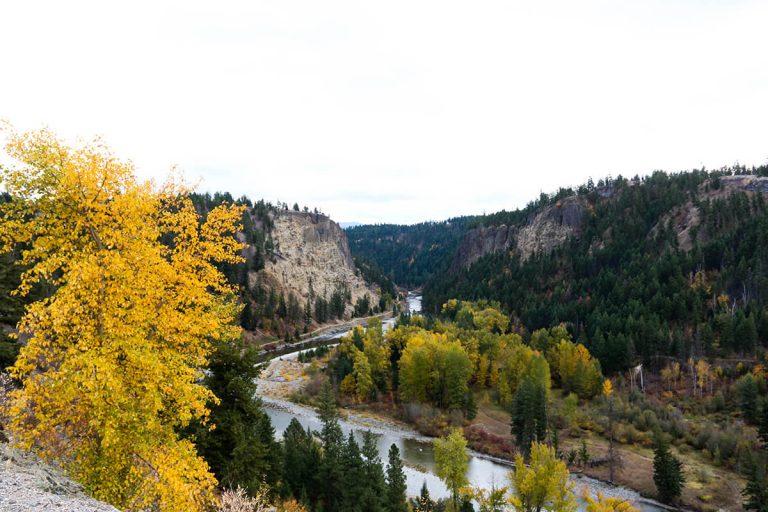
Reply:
x=707, y=488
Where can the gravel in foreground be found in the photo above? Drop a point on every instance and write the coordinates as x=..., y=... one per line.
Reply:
x=28, y=484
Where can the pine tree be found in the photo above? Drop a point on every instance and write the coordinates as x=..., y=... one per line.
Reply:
x=763, y=425
x=465, y=504
x=529, y=414
x=241, y=449
x=355, y=485
x=396, y=500
x=470, y=406
x=756, y=491
x=374, y=497
x=333, y=442
x=748, y=394
x=667, y=471
x=424, y=502
x=296, y=469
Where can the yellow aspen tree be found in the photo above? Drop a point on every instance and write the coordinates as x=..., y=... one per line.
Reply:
x=452, y=461
x=544, y=484
x=666, y=376
x=364, y=385
x=601, y=503
x=702, y=375
x=111, y=369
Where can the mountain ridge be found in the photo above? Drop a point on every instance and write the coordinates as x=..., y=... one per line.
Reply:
x=666, y=265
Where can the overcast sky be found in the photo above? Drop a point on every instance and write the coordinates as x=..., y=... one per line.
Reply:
x=395, y=111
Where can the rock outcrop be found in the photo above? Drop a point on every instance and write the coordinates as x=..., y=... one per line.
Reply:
x=481, y=241
x=311, y=257
x=552, y=226
x=542, y=232
x=686, y=220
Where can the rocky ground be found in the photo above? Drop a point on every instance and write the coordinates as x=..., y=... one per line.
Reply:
x=28, y=484
x=281, y=378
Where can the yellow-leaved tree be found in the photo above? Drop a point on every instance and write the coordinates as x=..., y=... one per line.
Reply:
x=601, y=503
x=544, y=484
x=112, y=364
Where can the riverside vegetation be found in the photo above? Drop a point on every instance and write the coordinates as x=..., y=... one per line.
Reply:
x=132, y=373
x=668, y=271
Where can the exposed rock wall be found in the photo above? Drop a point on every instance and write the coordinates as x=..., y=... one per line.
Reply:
x=311, y=256
x=542, y=232
x=686, y=220
x=551, y=227
x=481, y=241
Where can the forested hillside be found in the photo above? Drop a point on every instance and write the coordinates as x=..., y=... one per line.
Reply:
x=670, y=264
x=408, y=255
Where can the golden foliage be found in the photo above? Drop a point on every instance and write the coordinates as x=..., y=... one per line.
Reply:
x=601, y=503
x=291, y=506
x=607, y=388
x=576, y=368
x=544, y=484
x=111, y=369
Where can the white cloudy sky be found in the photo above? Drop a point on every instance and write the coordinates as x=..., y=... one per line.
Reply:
x=395, y=111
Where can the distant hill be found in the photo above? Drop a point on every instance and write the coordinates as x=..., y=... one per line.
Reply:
x=409, y=254
x=670, y=264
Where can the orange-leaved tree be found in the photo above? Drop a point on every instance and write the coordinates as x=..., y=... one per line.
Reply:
x=111, y=367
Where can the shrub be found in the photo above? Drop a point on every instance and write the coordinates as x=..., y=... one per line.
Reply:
x=236, y=500
x=486, y=442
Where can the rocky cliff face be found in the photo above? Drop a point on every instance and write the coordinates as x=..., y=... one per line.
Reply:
x=311, y=257
x=542, y=232
x=686, y=220
x=552, y=226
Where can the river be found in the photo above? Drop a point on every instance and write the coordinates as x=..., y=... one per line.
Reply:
x=416, y=449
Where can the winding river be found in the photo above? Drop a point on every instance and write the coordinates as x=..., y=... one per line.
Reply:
x=416, y=449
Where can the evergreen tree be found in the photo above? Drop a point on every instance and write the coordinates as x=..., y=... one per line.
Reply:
x=396, y=500
x=667, y=471
x=333, y=443
x=748, y=394
x=465, y=504
x=374, y=497
x=241, y=449
x=354, y=484
x=756, y=491
x=529, y=414
x=424, y=502
x=470, y=406
x=745, y=333
x=301, y=458
x=763, y=425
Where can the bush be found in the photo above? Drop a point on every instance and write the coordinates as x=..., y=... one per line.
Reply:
x=315, y=384
x=485, y=442
x=236, y=500
x=646, y=421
